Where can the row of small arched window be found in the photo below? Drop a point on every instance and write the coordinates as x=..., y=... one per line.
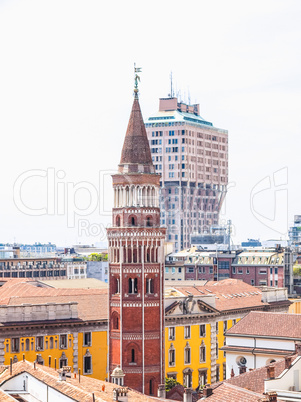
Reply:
x=132, y=221
x=133, y=285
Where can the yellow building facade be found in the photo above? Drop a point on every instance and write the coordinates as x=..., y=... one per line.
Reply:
x=86, y=352
x=196, y=319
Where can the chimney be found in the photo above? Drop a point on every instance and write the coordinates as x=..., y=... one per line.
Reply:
x=62, y=375
x=288, y=361
x=187, y=395
x=207, y=391
x=161, y=391
x=271, y=395
x=271, y=372
x=298, y=348
x=242, y=369
x=232, y=373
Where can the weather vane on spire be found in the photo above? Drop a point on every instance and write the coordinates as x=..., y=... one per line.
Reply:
x=137, y=78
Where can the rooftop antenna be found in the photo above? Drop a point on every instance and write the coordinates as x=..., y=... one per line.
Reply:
x=171, y=95
x=189, y=100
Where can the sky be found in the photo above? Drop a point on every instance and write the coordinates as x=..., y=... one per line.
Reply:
x=66, y=91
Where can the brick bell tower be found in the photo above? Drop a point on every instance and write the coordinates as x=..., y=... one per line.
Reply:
x=136, y=264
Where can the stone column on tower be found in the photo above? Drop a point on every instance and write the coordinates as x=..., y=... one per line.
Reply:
x=136, y=265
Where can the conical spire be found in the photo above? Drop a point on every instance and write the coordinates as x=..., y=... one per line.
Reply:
x=136, y=155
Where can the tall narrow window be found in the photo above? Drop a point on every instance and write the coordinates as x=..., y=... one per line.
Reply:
x=135, y=285
x=187, y=331
x=63, y=341
x=133, y=356
x=39, y=343
x=202, y=353
x=187, y=354
x=88, y=363
x=171, y=356
x=149, y=285
x=131, y=285
x=202, y=378
x=171, y=333
x=87, y=339
x=151, y=387
x=15, y=345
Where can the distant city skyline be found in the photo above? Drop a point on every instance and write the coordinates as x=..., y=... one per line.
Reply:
x=66, y=82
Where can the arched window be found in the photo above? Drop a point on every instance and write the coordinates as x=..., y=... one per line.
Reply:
x=115, y=285
x=115, y=321
x=130, y=285
x=132, y=221
x=51, y=342
x=118, y=220
x=27, y=345
x=133, y=356
x=149, y=221
x=135, y=254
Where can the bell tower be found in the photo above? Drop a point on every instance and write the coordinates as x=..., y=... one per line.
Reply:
x=136, y=264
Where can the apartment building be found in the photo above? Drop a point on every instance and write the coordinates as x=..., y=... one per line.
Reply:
x=191, y=155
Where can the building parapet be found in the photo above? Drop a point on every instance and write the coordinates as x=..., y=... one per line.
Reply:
x=270, y=295
x=38, y=312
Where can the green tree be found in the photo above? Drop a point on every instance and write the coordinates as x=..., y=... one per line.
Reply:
x=98, y=257
x=170, y=383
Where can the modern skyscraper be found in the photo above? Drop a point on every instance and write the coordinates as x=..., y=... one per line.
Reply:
x=192, y=157
x=136, y=267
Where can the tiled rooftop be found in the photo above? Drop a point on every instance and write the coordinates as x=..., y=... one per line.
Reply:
x=79, y=391
x=226, y=392
x=16, y=292
x=231, y=294
x=268, y=324
x=254, y=380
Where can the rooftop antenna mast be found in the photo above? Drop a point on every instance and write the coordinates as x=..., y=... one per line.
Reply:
x=171, y=89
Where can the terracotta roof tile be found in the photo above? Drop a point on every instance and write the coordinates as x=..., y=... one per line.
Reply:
x=254, y=380
x=6, y=398
x=79, y=391
x=136, y=148
x=16, y=293
x=268, y=324
x=225, y=392
x=231, y=294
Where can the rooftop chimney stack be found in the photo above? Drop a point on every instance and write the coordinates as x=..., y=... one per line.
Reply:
x=288, y=361
x=207, y=391
x=271, y=372
x=298, y=348
x=161, y=391
x=187, y=395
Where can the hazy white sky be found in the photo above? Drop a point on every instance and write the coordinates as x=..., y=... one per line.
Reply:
x=66, y=80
